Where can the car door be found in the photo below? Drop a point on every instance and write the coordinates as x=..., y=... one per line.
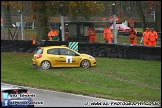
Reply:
x=53, y=56
x=68, y=58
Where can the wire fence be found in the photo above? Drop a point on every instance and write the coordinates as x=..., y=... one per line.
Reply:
x=9, y=22
x=11, y=28
x=13, y=22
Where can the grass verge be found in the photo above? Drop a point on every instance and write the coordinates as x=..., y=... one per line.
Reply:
x=111, y=78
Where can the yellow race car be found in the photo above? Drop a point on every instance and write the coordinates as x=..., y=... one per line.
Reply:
x=61, y=56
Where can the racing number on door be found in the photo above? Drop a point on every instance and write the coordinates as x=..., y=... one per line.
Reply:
x=68, y=59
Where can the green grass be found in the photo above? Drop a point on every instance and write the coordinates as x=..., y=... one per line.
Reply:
x=111, y=78
x=139, y=29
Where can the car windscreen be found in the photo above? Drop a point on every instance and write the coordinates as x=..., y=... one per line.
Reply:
x=15, y=91
x=122, y=25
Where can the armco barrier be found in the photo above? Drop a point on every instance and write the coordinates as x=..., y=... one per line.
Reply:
x=95, y=49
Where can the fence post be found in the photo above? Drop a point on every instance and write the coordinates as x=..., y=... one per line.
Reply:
x=62, y=23
x=22, y=25
x=2, y=25
x=114, y=23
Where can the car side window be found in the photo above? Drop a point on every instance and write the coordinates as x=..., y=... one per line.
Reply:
x=64, y=51
x=53, y=51
x=71, y=53
x=39, y=51
x=56, y=51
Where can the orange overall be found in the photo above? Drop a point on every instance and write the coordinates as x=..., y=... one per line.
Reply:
x=52, y=33
x=133, y=37
x=107, y=34
x=145, y=36
x=92, y=34
x=153, y=38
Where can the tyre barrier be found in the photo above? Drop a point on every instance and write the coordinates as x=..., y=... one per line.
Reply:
x=95, y=49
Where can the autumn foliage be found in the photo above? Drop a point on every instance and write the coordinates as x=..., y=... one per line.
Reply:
x=153, y=5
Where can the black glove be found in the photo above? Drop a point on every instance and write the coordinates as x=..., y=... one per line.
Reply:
x=112, y=40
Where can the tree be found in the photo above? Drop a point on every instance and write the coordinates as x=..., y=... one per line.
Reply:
x=43, y=10
x=7, y=18
x=142, y=17
x=156, y=7
x=150, y=4
x=41, y=17
x=128, y=8
x=77, y=8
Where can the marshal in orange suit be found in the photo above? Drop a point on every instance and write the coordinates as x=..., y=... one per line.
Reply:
x=92, y=34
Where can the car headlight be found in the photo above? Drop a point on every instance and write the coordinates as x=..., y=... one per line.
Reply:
x=91, y=57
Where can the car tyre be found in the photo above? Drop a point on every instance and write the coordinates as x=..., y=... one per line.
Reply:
x=45, y=65
x=85, y=63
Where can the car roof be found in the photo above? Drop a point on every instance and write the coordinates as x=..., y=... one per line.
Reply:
x=11, y=87
x=62, y=46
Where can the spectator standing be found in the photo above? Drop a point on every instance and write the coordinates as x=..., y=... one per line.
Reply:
x=53, y=35
x=153, y=36
x=145, y=37
x=92, y=34
x=133, y=36
x=107, y=34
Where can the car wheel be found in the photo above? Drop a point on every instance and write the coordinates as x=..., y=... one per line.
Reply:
x=85, y=63
x=45, y=65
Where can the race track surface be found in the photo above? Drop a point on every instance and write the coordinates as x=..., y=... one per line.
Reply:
x=61, y=99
